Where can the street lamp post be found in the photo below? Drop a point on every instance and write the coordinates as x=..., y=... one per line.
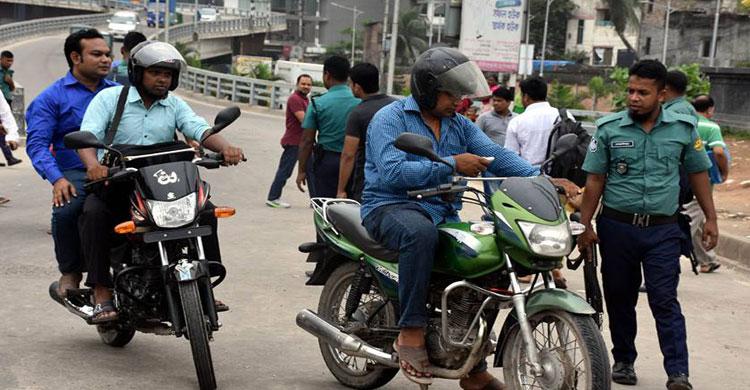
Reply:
x=392, y=54
x=666, y=33
x=544, y=38
x=355, y=13
x=715, y=34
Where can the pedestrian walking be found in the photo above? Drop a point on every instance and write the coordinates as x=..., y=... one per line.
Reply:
x=57, y=111
x=528, y=133
x=296, y=106
x=365, y=81
x=710, y=134
x=8, y=133
x=7, y=85
x=324, y=125
x=633, y=162
x=494, y=123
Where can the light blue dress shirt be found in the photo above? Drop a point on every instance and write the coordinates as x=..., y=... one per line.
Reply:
x=390, y=172
x=138, y=125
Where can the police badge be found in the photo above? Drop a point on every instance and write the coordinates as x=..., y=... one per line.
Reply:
x=621, y=167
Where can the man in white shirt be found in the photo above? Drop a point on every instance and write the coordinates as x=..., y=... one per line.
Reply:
x=8, y=133
x=529, y=132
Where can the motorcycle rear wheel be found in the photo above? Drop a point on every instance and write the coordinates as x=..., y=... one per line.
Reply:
x=197, y=332
x=354, y=372
x=571, y=349
x=115, y=335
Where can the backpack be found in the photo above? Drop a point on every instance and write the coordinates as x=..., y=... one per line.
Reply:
x=570, y=164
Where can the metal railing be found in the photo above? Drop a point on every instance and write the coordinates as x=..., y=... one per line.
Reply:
x=88, y=5
x=25, y=30
x=224, y=28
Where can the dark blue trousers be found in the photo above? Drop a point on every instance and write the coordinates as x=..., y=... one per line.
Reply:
x=286, y=167
x=406, y=228
x=625, y=249
x=65, y=226
x=325, y=170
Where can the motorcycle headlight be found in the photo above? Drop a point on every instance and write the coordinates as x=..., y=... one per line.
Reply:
x=546, y=240
x=173, y=214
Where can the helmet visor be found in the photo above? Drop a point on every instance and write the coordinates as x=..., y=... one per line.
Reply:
x=464, y=81
x=159, y=54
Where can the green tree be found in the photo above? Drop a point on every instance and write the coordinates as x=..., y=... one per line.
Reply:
x=562, y=96
x=619, y=78
x=191, y=56
x=344, y=47
x=598, y=88
x=412, y=33
x=698, y=84
x=623, y=15
x=560, y=12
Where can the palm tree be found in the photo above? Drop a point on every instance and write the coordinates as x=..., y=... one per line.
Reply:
x=623, y=14
x=412, y=31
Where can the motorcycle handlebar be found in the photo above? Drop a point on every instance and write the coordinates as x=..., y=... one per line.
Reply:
x=443, y=189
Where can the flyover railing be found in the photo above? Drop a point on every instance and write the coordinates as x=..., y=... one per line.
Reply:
x=224, y=28
x=88, y=5
x=13, y=32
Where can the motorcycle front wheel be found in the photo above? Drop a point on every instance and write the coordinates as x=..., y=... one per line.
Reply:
x=197, y=332
x=571, y=351
x=355, y=372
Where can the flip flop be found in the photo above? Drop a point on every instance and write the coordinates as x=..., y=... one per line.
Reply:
x=561, y=283
x=711, y=268
x=104, y=307
x=220, y=306
x=415, y=357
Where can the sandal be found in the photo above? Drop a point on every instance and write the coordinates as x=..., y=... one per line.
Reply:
x=220, y=306
x=561, y=283
x=417, y=358
x=709, y=268
x=105, y=307
x=68, y=281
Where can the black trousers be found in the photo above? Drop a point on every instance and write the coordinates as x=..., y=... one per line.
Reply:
x=101, y=213
x=326, y=174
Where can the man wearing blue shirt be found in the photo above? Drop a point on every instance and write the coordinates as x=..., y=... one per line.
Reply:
x=150, y=116
x=57, y=111
x=441, y=77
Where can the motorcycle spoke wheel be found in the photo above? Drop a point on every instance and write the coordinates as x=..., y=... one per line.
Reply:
x=570, y=349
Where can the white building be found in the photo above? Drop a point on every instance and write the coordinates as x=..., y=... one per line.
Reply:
x=591, y=31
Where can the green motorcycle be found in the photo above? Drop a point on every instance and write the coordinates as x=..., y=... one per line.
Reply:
x=549, y=339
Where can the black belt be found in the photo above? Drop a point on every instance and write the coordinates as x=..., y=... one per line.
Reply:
x=640, y=220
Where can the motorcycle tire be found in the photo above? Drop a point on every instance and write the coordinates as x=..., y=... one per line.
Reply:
x=115, y=335
x=550, y=327
x=197, y=333
x=331, y=307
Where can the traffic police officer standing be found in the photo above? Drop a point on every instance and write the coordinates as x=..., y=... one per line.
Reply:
x=633, y=161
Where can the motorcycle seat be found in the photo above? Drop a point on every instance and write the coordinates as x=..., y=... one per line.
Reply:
x=345, y=218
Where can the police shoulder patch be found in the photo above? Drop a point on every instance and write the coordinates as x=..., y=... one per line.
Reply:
x=594, y=145
x=698, y=144
x=610, y=118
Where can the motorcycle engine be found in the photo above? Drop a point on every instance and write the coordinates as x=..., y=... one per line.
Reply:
x=462, y=307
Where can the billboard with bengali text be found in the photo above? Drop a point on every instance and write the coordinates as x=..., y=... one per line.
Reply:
x=491, y=33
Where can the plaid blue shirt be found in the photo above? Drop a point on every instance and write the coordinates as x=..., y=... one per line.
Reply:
x=390, y=173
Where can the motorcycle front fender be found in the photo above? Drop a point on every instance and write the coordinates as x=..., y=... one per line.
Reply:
x=186, y=271
x=547, y=299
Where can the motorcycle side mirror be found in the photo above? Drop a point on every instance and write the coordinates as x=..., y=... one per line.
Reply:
x=82, y=140
x=223, y=119
x=419, y=145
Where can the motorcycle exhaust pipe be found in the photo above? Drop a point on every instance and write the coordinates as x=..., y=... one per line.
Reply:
x=351, y=345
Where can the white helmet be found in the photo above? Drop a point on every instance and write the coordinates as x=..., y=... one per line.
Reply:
x=154, y=53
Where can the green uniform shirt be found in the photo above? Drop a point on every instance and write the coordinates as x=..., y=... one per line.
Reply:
x=327, y=113
x=3, y=85
x=680, y=105
x=643, y=168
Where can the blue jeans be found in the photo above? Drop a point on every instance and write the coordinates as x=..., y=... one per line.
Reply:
x=406, y=228
x=286, y=167
x=625, y=250
x=65, y=226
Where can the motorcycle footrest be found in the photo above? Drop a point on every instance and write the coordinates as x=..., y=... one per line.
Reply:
x=310, y=247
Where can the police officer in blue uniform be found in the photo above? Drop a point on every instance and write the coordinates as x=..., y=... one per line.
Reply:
x=633, y=161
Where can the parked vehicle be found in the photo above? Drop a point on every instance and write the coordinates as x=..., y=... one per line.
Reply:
x=123, y=22
x=162, y=280
x=208, y=15
x=549, y=338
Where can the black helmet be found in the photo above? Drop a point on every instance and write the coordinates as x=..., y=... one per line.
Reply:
x=154, y=53
x=448, y=70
